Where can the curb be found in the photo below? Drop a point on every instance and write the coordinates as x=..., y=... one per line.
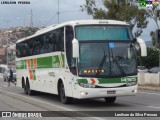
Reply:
x=153, y=88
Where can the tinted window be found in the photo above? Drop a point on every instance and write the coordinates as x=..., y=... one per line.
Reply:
x=103, y=33
x=60, y=39
x=45, y=43
x=69, y=38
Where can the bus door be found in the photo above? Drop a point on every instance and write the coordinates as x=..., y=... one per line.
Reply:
x=68, y=82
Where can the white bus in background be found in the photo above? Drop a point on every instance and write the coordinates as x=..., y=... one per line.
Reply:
x=80, y=59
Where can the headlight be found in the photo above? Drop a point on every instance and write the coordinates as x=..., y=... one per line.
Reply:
x=87, y=85
x=132, y=83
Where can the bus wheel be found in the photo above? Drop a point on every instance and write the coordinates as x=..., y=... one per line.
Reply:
x=29, y=91
x=63, y=97
x=25, y=89
x=110, y=99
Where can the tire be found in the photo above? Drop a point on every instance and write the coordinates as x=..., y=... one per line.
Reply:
x=110, y=99
x=29, y=91
x=24, y=86
x=25, y=89
x=63, y=97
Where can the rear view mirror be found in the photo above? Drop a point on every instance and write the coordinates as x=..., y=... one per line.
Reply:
x=75, y=48
x=142, y=46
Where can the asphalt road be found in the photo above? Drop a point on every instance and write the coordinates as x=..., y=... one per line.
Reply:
x=13, y=99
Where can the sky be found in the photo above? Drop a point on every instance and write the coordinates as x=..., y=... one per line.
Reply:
x=44, y=13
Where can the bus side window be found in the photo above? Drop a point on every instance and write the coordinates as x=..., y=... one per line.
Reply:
x=60, y=39
x=53, y=39
x=69, y=38
x=18, y=51
x=50, y=42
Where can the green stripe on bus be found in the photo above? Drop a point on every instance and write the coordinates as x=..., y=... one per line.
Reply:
x=34, y=73
x=25, y=64
x=82, y=81
x=55, y=61
x=117, y=80
x=21, y=64
x=32, y=65
x=44, y=62
x=110, y=80
x=63, y=60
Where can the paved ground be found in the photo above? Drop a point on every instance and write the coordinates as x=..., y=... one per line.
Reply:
x=13, y=98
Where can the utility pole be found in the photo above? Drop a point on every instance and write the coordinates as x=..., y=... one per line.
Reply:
x=58, y=12
x=7, y=48
x=31, y=20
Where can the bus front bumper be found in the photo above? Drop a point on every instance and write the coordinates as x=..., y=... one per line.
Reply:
x=106, y=92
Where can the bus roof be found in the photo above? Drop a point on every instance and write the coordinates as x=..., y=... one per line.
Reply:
x=74, y=23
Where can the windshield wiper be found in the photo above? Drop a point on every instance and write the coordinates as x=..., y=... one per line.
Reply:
x=119, y=67
x=102, y=62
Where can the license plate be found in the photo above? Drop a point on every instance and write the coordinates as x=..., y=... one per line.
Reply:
x=111, y=92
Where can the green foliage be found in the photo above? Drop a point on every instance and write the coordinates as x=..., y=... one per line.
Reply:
x=154, y=13
x=152, y=59
x=119, y=10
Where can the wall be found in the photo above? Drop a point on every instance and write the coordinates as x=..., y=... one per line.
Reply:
x=149, y=78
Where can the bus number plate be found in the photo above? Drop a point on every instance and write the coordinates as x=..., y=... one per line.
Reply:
x=111, y=92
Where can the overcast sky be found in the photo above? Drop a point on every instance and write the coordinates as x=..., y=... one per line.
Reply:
x=45, y=13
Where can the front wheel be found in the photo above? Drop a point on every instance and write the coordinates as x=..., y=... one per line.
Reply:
x=63, y=97
x=110, y=99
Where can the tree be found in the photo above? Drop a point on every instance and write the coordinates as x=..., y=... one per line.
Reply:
x=119, y=10
x=154, y=13
x=151, y=60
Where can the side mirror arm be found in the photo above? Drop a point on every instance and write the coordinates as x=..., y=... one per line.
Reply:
x=142, y=46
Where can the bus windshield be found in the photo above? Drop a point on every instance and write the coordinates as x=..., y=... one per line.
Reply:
x=106, y=59
x=107, y=32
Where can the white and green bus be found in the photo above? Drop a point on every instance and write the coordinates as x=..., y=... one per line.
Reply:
x=80, y=59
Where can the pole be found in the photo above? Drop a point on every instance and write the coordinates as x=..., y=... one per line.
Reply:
x=58, y=12
x=159, y=57
x=7, y=49
x=31, y=19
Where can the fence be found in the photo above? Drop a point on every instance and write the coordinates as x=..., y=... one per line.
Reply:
x=149, y=78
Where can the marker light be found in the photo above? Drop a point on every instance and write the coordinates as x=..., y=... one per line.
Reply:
x=134, y=91
x=83, y=93
x=102, y=71
x=93, y=71
x=85, y=71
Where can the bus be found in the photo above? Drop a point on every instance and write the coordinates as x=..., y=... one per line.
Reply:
x=80, y=59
